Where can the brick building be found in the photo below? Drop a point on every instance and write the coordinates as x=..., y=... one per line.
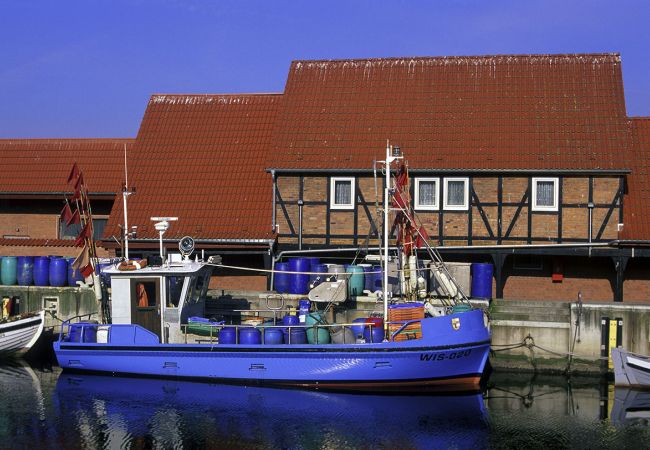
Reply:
x=525, y=161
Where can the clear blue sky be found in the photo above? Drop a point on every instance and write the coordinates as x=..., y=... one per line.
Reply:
x=86, y=68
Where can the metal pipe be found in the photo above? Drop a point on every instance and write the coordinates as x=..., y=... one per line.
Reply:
x=590, y=206
x=273, y=224
x=300, y=205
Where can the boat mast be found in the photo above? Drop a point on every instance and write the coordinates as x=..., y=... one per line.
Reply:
x=389, y=159
x=125, y=194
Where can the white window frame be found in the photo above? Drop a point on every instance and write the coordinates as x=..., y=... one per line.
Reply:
x=333, y=204
x=556, y=194
x=465, y=205
x=436, y=205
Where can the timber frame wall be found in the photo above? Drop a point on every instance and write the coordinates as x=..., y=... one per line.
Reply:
x=500, y=213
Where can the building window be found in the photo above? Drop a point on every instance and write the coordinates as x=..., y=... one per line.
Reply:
x=456, y=195
x=72, y=231
x=545, y=194
x=342, y=193
x=426, y=194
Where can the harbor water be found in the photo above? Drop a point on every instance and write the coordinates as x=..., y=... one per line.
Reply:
x=45, y=408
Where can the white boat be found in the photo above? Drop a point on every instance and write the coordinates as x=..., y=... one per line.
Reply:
x=630, y=370
x=17, y=335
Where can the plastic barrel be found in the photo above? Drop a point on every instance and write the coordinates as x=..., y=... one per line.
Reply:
x=342, y=335
x=367, y=277
x=358, y=329
x=356, y=281
x=58, y=271
x=42, y=271
x=315, y=280
x=313, y=260
x=336, y=268
x=228, y=335
x=295, y=335
x=303, y=310
x=461, y=307
x=377, y=332
x=290, y=320
x=299, y=282
x=250, y=336
x=322, y=336
x=8, y=271
x=73, y=275
x=281, y=280
x=481, y=280
x=25, y=270
x=273, y=336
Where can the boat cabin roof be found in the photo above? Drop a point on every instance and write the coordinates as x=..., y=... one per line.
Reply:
x=174, y=268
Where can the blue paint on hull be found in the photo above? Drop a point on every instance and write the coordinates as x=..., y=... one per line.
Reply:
x=444, y=356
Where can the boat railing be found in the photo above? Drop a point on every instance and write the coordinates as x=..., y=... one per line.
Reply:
x=215, y=328
x=65, y=324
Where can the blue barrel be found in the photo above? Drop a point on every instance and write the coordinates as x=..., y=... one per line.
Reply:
x=58, y=271
x=303, y=310
x=299, y=282
x=8, y=271
x=358, y=329
x=297, y=335
x=281, y=280
x=290, y=320
x=481, y=280
x=367, y=277
x=73, y=275
x=250, y=336
x=273, y=336
x=315, y=280
x=42, y=271
x=377, y=334
x=313, y=260
x=106, y=278
x=25, y=270
x=356, y=280
x=228, y=335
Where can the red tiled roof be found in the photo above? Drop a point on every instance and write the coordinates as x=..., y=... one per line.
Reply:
x=479, y=112
x=636, y=210
x=42, y=165
x=202, y=158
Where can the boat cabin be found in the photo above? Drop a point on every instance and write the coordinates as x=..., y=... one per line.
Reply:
x=160, y=299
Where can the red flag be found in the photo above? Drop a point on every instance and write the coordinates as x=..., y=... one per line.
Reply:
x=79, y=182
x=66, y=214
x=85, y=233
x=74, y=172
x=87, y=271
x=74, y=218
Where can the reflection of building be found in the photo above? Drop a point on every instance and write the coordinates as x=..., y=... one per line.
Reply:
x=527, y=161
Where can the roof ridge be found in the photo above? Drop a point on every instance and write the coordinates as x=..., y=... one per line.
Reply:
x=460, y=58
x=68, y=139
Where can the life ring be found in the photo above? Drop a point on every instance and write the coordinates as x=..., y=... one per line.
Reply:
x=132, y=264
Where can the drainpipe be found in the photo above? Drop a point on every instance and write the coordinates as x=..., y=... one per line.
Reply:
x=274, y=225
x=590, y=205
x=300, y=205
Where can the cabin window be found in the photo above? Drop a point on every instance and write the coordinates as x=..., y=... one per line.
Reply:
x=342, y=193
x=198, y=289
x=456, y=194
x=545, y=194
x=426, y=193
x=174, y=288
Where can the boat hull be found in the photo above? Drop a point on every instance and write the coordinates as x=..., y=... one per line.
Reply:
x=456, y=363
x=20, y=335
x=631, y=370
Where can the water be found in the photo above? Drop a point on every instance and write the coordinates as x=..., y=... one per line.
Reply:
x=45, y=408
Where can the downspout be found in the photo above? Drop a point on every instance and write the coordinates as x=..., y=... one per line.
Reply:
x=274, y=225
x=300, y=205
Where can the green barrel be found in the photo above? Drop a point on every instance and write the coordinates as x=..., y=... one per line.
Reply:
x=356, y=280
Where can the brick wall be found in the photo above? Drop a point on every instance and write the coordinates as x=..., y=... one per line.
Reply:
x=33, y=226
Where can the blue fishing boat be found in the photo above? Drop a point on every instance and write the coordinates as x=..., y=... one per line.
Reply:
x=151, y=335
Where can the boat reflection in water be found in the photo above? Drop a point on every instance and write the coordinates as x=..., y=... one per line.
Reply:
x=631, y=406
x=110, y=411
